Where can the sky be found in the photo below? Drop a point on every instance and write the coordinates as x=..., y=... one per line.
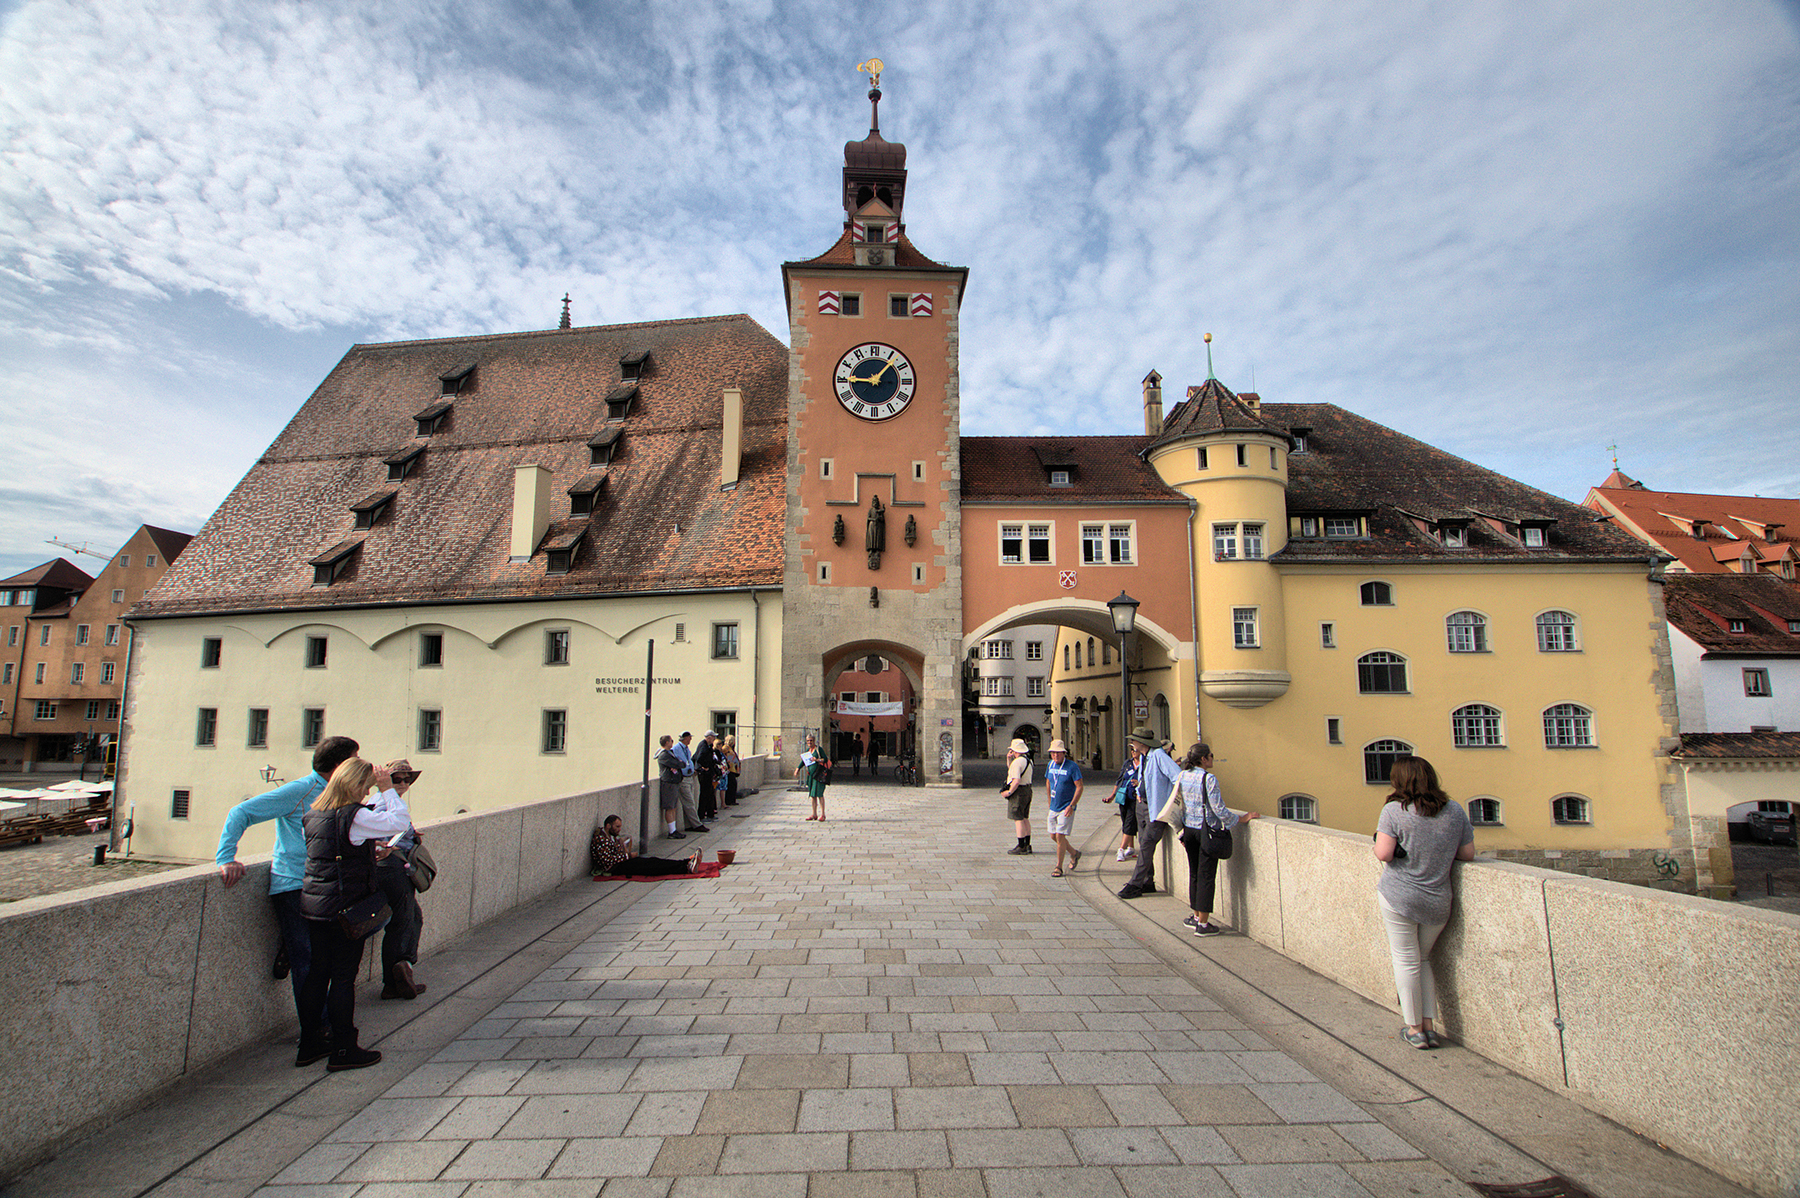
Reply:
x=1523, y=231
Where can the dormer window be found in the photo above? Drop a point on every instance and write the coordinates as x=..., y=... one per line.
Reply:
x=1735, y=626
x=1532, y=535
x=434, y=418
x=584, y=496
x=329, y=566
x=1456, y=536
x=1059, y=478
x=603, y=447
x=404, y=462
x=634, y=365
x=560, y=550
x=1299, y=435
x=373, y=508
x=458, y=379
x=619, y=401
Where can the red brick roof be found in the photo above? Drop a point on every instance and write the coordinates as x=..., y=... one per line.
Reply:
x=906, y=256
x=1103, y=470
x=1703, y=606
x=1728, y=745
x=1213, y=408
x=1744, y=516
x=662, y=522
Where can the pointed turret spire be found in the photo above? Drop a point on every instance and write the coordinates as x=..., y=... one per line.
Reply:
x=1209, y=369
x=564, y=322
x=874, y=168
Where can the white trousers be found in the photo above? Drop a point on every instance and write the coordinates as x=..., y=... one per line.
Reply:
x=1411, y=945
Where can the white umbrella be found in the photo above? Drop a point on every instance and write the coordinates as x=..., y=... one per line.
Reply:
x=82, y=786
x=9, y=808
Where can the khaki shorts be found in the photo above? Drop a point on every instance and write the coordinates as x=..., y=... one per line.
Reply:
x=1018, y=803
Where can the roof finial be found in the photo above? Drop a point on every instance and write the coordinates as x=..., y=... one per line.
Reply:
x=564, y=323
x=872, y=69
x=1614, y=450
x=1209, y=370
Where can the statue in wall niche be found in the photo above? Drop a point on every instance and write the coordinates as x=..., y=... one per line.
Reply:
x=877, y=532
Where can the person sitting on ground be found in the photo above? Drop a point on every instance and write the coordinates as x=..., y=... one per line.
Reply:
x=612, y=853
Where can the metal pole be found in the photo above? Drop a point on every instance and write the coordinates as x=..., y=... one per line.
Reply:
x=644, y=792
x=1124, y=704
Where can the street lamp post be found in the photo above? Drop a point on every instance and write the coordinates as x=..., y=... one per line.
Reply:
x=1124, y=618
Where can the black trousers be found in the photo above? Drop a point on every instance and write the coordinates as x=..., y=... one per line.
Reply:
x=709, y=795
x=400, y=939
x=1203, y=871
x=648, y=867
x=331, y=983
x=1149, y=836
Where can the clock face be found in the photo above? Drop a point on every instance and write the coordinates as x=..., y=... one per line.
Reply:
x=873, y=381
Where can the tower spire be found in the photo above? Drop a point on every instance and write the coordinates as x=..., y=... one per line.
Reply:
x=564, y=322
x=1209, y=369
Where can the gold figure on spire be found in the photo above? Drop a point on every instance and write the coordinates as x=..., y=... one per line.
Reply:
x=872, y=68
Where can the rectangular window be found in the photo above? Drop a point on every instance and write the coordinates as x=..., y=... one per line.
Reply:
x=724, y=723
x=431, y=648
x=897, y=305
x=997, y=687
x=44, y=709
x=315, y=652
x=1243, y=460
x=997, y=650
x=431, y=730
x=874, y=697
x=210, y=650
x=12, y=634
x=81, y=634
x=312, y=727
x=824, y=467
x=106, y=673
x=850, y=304
x=680, y=633
x=1224, y=542
x=1037, y=543
x=1243, y=628
x=150, y=561
x=1534, y=538
x=846, y=696
x=43, y=634
x=918, y=472
x=1034, y=650
x=6, y=673
x=556, y=650
x=178, y=804
x=1456, y=536
x=40, y=673
x=1327, y=635
x=1012, y=543
x=118, y=596
x=1309, y=526
x=1118, y=544
x=78, y=673
x=725, y=640
x=112, y=711
x=1093, y=544
x=206, y=728
x=112, y=634
x=1253, y=541
x=556, y=730
x=1059, y=478
x=1202, y=461
x=1034, y=688
x=1756, y=684
x=93, y=709
x=1343, y=526
x=1065, y=657
x=257, y=736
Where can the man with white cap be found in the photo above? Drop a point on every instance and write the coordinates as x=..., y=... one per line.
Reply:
x=1062, y=791
x=1017, y=793
x=1154, y=789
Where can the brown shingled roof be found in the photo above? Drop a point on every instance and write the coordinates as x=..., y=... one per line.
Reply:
x=1105, y=469
x=1213, y=408
x=1703, y=606
x=906, y=256
x=1729, y=745
x=539, y=397
x=57, y=572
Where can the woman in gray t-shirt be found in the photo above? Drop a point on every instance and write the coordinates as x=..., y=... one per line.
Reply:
x=1420, y=834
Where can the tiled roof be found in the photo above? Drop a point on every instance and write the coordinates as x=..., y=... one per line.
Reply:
x=57, y=572
x=1731, y=522
x=1213, y=408
x=906, y=256
x=1353, y=465
x=1727, y=745
x=168, y=542
x=663, y=523
x=1103, y=470
x=1703, y=606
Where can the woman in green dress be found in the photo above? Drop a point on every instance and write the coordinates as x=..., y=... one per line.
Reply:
x=814, y=767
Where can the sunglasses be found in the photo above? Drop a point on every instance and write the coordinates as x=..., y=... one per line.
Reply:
x=405, y=777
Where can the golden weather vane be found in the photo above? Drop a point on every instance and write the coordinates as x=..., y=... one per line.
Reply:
x=872, y=68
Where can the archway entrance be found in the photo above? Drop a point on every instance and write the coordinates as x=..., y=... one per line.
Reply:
x=871, y=710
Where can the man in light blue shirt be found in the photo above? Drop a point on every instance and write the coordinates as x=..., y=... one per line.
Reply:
x=1154, y=789
x=690, y=785
x=287, y=806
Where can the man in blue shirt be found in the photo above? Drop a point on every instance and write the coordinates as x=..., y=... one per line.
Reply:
x=286, y=805
x=690, y=784
x=1062, y=785
x=1154, y=789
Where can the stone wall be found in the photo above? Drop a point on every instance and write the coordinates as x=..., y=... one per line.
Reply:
x=119, y=990
x=1676, y=1016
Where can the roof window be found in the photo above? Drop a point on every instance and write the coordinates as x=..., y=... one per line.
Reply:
x=584, y=496
x=330, y=566
x=634, y=365
x=619, y=401
x=1299, y=436
x=458, y=379
x=1736, y=626
x=434, y=418
x=561, y=548
x=1058, y=464
x=604, y=445
x=373, y=508
x=403, y=462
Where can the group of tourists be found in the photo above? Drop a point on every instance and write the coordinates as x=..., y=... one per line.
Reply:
x=1421, y=833
x=344, y=867
x=695, y=783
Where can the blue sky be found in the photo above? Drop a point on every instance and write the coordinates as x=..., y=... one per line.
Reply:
x=1520, y=231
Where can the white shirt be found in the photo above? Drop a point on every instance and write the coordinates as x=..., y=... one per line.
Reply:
x=386, y=817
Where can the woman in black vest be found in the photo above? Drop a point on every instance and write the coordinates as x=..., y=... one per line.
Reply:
x=344, y=838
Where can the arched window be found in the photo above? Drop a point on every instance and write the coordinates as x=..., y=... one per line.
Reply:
x=1477, y=726
x=1106, y=653
x=1092, y=660
x=1301, y=808
x=1556, y=633
x=1381, y=673
x=1078, y=655
x=1160, y=705
x=1467, y=632
x=1065, y=657
x=1484, y=812
x=1570, y=809
x=1379, y=757
x=1568, y=726
x=1377, y=594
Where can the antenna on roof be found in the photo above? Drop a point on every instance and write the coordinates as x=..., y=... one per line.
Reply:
x=1209, y=370
x=564, y=323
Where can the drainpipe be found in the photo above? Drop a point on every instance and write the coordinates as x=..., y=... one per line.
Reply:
x=112, y=820
x=755, y=665
x=1194, y=611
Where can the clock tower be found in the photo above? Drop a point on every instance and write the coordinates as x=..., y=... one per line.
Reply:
x=874, y=526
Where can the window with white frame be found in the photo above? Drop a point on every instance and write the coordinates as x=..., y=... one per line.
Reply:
x=1327, y=635
x=875, y=697
x=1484, y=812
x=1244, y=631
x=206, y=729
x=431, y=730
x=846, y=696
x=997, y=687
x=725, y=640
x=556, y=648
x=1477, y=726
x=78, y=673
x=1379, y=757
x=1025, y=544
x=81, y=634
x=1034, y=650
x=1093, y=544
x=1334, y=730
x=93, y=709
x=6, y=673
x=1381, y=673
x=41, y=667
x=1556, y=632
x=43, y=709
x=1343, y=526
x=556, y=730
x=1571, y=809
x=1756, y=683
x=1253, y=542
x=317, y=648
x=1034, y=688
x=1467, y=632
x=997, y=650
x=312, y=727
x=257, y=733
x=1568, y=726
x=1108, y=544
x=118, y=596
x=1225, y=546
x=112, y=634
x=1300, y=808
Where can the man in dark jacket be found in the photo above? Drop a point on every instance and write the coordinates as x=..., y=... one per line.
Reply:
x=706, y=764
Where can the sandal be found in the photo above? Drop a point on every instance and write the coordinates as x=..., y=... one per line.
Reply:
x=694, y=862
x=1074, y=858
x=1056, y=873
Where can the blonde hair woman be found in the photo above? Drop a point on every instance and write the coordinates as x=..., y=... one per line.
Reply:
x=343, y=841
x=733, y=765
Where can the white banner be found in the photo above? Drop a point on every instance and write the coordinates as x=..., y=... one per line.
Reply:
x=847, y=708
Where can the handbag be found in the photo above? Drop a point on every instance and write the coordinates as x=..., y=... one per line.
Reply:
x=421, y=868
x=1174, y=812
x=1214, y=841
x=1121, y=791
x=365, y=916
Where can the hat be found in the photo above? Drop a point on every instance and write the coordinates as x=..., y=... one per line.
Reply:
x=1019, y=746
x=1144, y=736
x=686, y=735
x=1056, y=746
x=403, y=766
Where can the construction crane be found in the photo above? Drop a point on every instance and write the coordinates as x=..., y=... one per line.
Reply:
x=81, y=548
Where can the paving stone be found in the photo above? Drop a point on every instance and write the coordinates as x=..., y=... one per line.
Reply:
x=1314, y=1103
x=728, y=1111
x=1060, y=1106
x=636, y=1187
x=1199, y=1145
x=890, y=1069
x=939, y=1069
x=504, y=1158
x=1413, y=1179
x=1285, y=1181
x=953, y=1107
x=1377, y=1142
x=790, y=1072
x=571, y=1115
x=683, y=1073
x=404, y=1162
x=1120, y=1146
x=319, y=1164
x=809, y=1152
x=667, y=1114
x=393, y=1119
x=1138, y=1106
x=1038, y=1182
x=619, y=1156
x=1172, y=1181
x=1271, y=1143
x=899, y=1150
x=1010, y=1148
x=417, y=1189
x=950, y=1183
x=477, y=1118
x=585, y=1076
x=1015, y=1069
x=767, y=1185
x=1213, y=1105
x=1271, y=1067
x=890, y=1184
x=688, y=1156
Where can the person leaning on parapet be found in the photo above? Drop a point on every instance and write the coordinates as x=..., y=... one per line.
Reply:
x=1017, y=793
x=1155, y=786
x=690, y=785
x=393, y=875
x=1203, y=806
x=706, y=770
x=286, y=805
x=668, y=785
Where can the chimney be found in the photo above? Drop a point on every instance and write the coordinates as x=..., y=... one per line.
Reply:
x=1251, y=399
x=531, y=509
x=731, y=451
x=1153, y=414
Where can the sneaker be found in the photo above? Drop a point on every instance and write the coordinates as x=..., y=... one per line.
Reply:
x=1020, y=850
x=352, y=1058
x=677, y=836
x=1130, y=892
x=700, y=828
x=1192, y=921
x=1416, y=1039
x=1127, y=854
x=1206, y=929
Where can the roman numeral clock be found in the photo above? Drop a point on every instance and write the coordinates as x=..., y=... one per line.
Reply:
x=874, y=381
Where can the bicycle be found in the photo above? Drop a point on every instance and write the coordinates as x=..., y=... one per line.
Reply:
x=908, y=771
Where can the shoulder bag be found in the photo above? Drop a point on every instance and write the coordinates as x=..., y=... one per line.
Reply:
x=421, y=868
x=365, y=916
x=1214, y=841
